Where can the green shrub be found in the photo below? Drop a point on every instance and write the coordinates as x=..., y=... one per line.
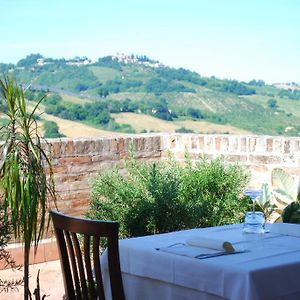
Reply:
x=291, y=214
x=51, y=130
x=184, y=130
x=165, y=196
x=213, y=190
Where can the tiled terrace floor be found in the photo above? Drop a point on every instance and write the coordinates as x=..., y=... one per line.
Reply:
x=50, y=281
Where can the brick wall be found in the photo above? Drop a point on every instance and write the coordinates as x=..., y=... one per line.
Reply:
x=77, y=161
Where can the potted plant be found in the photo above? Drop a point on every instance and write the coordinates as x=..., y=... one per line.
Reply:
x=26, y=174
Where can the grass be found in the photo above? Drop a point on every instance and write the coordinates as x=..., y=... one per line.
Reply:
x=75, y=129
x=289, y=106
x=140, y=73
x=74, y=99
x=207, y=127
x=69, y=128
x=132, y=96
x=141, y=121
x=103, y=74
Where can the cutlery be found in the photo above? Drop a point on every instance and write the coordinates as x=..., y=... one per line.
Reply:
x=210, y=255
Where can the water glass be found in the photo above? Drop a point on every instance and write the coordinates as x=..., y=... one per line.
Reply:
x=254, y=222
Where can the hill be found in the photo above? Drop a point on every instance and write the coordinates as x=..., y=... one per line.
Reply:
x=129, y=93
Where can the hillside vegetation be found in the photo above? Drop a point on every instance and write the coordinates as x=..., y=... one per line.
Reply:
x=142, y=95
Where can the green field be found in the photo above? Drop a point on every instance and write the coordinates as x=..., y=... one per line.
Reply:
x=103, y=74
x=142, y=122
x=168, y=99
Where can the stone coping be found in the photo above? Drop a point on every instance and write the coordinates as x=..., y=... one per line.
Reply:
x=46, y=251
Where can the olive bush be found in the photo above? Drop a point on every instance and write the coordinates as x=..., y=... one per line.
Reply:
x=156, y=197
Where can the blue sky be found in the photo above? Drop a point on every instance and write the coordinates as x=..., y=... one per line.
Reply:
x=237, y=39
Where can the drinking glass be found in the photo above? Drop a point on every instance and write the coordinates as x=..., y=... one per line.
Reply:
x=254, y=222
x=253, y=194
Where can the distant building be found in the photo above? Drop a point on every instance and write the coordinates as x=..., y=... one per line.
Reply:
x=287, y=86
x=133, y=59
x=79, y=61
x=40, y=61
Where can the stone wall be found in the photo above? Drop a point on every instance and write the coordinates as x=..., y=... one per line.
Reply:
x=260, y=154
x=79, y=160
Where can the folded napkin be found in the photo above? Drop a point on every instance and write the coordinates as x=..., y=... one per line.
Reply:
x=286, y=229
x=204, y=242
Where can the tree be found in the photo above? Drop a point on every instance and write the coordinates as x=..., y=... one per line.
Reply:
x=233, y=86
x=29, y=60
x=160, y=110
x=257, y=82
x=25, y=183
x=103, y=92
x=272, y=103
x=184, y=130
x=102, y=118
x=51, y=130
x=81, y=87
x=128, y=106
x=53, y=99
x=195, y=113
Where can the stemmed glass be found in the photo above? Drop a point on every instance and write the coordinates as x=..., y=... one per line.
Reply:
x=254, y=221
x=253, y=194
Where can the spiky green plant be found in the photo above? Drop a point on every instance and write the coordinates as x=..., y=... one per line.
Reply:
x=284, y=188
x=26, y=184
x=283, y=192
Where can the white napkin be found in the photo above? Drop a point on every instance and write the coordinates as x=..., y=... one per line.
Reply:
x=204, y=242
x=286, y=229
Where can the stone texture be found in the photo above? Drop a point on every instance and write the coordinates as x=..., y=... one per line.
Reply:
x=218, y=143
x=287, y=146
x=243, y=144
x=236, y=158
x=263, y=159
x=269, y=145
x=77, y=161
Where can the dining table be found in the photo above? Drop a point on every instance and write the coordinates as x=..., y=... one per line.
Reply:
x=164, y=266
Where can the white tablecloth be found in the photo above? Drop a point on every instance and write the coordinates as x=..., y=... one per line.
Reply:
x=269, y=270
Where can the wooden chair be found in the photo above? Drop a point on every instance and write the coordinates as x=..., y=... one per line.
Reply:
x=84, y=280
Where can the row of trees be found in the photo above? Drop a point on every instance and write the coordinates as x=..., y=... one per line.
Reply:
x=181, y=74
x=98, y=113
x=227, y=86
x=290, y=94
x=116, y=86
x=230, y=86
x=154, y=85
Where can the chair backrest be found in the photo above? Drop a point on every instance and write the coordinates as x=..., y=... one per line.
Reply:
x=81, y=263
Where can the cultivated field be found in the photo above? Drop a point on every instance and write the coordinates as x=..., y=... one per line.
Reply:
x=141, y=121
x=75, y=129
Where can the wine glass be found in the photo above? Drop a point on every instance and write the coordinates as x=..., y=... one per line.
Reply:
x=253, y=194
x=254, y=221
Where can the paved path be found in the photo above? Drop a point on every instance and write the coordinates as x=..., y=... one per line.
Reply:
x=50, y=281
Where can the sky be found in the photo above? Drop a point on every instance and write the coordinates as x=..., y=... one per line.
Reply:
x=234, y=39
